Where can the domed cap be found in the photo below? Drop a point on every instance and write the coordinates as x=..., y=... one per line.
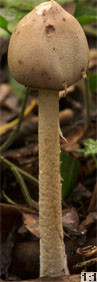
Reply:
x=48, y=48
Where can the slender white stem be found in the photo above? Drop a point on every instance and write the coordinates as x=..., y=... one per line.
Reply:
x=52, y=250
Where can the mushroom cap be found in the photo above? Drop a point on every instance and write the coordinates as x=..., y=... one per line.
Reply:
x=48, y=48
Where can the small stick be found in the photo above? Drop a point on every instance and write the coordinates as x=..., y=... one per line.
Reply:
x=93, y=199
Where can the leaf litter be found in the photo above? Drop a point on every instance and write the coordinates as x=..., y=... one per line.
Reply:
x=20, y=224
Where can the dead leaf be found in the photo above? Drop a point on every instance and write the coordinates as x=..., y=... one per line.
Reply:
x=32, y=223
x=71, y=219
x=73, y=134
x=87, y=251
x=86, y=263
x=66, y=116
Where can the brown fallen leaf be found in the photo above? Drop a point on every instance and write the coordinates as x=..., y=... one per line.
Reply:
x=87, y=251
x=73, y=134
x=31, y=223
x=71, y=220
x=86, y=263
x=66, y=116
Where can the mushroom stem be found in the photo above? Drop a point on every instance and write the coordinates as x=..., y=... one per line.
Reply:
x=52, y=249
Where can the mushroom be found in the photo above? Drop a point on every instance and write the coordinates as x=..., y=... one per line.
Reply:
x=48, y=51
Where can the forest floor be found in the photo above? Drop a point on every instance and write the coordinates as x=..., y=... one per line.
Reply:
x=20, y=217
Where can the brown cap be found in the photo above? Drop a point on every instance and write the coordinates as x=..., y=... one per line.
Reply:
x=48, y=48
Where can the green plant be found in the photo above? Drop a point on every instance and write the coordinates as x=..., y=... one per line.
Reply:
x=90, y=149
x=19, y=174
x=69, y=169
